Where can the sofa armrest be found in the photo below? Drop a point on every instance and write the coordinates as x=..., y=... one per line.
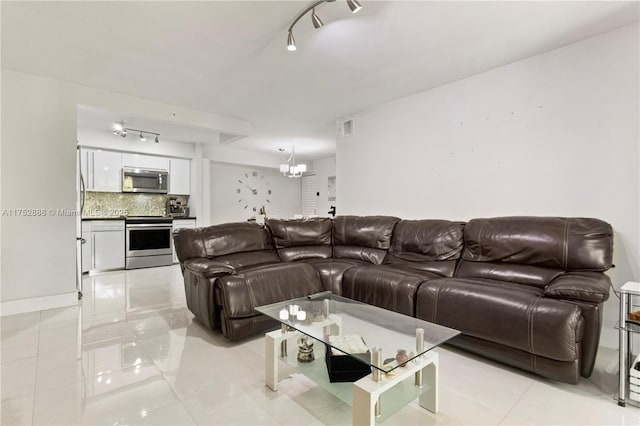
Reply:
x=208, y=268
x=585, y=286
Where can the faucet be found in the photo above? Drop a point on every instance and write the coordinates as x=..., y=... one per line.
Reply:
x=332, y=211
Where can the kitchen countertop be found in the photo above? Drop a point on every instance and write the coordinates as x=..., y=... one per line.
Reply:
x=124, y=217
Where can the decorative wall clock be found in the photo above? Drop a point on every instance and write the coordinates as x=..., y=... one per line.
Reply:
x=254, y=191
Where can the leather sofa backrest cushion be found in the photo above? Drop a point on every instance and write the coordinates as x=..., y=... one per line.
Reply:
x=221, y=240
x=569, y=244
x=300, y=239
x=300, y=232
x=363, y=237
x=426, y=244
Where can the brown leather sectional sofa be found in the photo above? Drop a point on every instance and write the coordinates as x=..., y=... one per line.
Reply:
x=526, y=291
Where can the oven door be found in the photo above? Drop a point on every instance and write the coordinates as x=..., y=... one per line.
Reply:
x=148, y=239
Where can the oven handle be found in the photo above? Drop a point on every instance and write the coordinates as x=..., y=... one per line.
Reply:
x=148, y=226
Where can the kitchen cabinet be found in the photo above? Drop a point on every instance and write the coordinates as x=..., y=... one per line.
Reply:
x=101, y=170
x=104, y=247
x=181, y=224
x=179, y=176
x=140, y=161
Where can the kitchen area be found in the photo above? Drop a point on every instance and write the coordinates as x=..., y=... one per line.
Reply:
x=130, y=205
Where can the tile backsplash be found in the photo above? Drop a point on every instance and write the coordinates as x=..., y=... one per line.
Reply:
x=115, y=204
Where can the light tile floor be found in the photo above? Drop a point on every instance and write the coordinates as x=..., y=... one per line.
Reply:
x=132, y=354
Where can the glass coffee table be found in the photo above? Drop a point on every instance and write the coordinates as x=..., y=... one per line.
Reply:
x=395, y=348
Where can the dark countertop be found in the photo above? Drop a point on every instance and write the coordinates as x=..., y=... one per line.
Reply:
x=123, y=218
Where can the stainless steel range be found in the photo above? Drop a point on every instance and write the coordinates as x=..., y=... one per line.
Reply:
x=148, y=242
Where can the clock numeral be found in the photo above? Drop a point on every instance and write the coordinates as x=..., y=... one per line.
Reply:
x=238, y=191
x=269, y=192
x=255, y=209
x=246, y=175
x=240, y=200
x=239, y=181
x=268, y=201
x=254, y=174
x=245, y=207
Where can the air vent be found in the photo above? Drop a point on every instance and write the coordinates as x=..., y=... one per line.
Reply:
x=347, y=127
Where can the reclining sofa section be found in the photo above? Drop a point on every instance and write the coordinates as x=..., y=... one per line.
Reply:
x=525, y=291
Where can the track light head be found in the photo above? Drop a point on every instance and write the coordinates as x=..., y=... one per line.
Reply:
x=291, y=42
x=315, y=20
x=354, y=6
x=142, y=138
x=123, y=133
x=157, y=140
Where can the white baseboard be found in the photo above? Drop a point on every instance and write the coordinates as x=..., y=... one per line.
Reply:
x=34, y=304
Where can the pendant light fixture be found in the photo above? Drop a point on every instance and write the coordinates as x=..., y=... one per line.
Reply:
x=354, y=5
x=290, y=169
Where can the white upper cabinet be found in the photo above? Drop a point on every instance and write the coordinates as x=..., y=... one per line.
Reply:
x=180, y=176
x=140, y=161
x=101, y=170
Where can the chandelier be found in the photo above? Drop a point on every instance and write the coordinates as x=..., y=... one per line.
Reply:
x=290, y=169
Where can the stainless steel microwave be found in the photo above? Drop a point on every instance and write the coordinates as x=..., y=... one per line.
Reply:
x=145, y=180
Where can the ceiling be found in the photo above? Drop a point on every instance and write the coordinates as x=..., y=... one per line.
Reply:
x=230, y=57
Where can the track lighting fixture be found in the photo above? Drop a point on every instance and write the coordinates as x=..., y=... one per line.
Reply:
x=354, y=5
x=317, y=23
x=120, y=130
x=291, y=42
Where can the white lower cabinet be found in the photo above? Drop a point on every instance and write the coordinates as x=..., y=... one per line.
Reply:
x=104, y=247
x=181, y=224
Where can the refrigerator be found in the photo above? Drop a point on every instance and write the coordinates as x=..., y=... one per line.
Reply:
x=80, y=198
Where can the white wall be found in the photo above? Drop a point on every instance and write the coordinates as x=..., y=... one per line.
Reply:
x=38, y=172
x=555, y=134
x=225, y=206
x=324, y=168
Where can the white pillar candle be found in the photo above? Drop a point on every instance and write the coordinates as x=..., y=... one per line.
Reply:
x=284, y=315
x=301, y=315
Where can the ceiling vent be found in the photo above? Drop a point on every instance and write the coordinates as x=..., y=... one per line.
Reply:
x=346, y=127
x=227, y=138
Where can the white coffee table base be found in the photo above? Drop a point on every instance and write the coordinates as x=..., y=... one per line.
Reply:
x=366, y=391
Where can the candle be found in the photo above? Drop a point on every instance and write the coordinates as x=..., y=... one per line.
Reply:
x=301, y=315
x=284, y=315
x=293, y=309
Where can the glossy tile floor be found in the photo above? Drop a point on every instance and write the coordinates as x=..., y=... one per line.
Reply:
x=132, y=354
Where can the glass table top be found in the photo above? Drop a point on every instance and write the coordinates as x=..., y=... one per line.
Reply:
x=356, y=329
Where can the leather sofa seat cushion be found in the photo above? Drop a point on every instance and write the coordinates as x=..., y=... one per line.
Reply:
x=294, y=254
x=241, y=293
x=332, y=271
x=385, y=287
x=508, y=272
x=364, y=238
x=509, y=314
x=553, y=242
